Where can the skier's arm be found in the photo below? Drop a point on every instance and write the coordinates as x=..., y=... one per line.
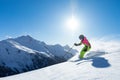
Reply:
x=78, y=44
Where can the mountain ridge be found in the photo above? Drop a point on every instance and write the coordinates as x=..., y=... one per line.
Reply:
x=25, y=53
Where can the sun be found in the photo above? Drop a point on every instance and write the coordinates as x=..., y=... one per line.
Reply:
x=72, y=23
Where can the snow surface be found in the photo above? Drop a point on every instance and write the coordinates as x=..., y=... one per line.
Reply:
x=96, y=67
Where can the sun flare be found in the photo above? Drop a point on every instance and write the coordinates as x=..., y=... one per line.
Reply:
x=72, y=23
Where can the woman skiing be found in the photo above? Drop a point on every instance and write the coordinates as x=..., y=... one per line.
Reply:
x=86, y=47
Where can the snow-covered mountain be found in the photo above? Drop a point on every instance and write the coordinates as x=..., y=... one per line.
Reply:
x=101, y=64
x=25, y=53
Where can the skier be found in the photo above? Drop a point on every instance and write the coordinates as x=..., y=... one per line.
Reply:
x=86, y=47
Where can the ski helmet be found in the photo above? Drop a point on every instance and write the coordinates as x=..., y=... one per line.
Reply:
x=81, y=37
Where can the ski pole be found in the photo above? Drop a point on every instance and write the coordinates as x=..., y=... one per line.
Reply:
x=69, y=51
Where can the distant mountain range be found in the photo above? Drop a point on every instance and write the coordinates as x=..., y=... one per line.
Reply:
x=24, y=53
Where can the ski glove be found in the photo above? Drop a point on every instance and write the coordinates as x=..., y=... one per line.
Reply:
x=76, y=44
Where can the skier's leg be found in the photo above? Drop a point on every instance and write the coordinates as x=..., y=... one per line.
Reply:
x=83, y=51
x=82, y=54
x=88, y=48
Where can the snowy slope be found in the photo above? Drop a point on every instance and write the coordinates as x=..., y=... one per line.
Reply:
x=25, y=53
x=98, y=67
x=56, y=50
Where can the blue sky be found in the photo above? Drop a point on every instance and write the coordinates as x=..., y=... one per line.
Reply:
x=45, y=19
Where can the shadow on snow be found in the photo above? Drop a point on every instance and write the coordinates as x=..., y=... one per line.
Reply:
x=100, y=62
x=97, y=61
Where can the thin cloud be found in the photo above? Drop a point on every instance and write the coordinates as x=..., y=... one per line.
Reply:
x=8, y=37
